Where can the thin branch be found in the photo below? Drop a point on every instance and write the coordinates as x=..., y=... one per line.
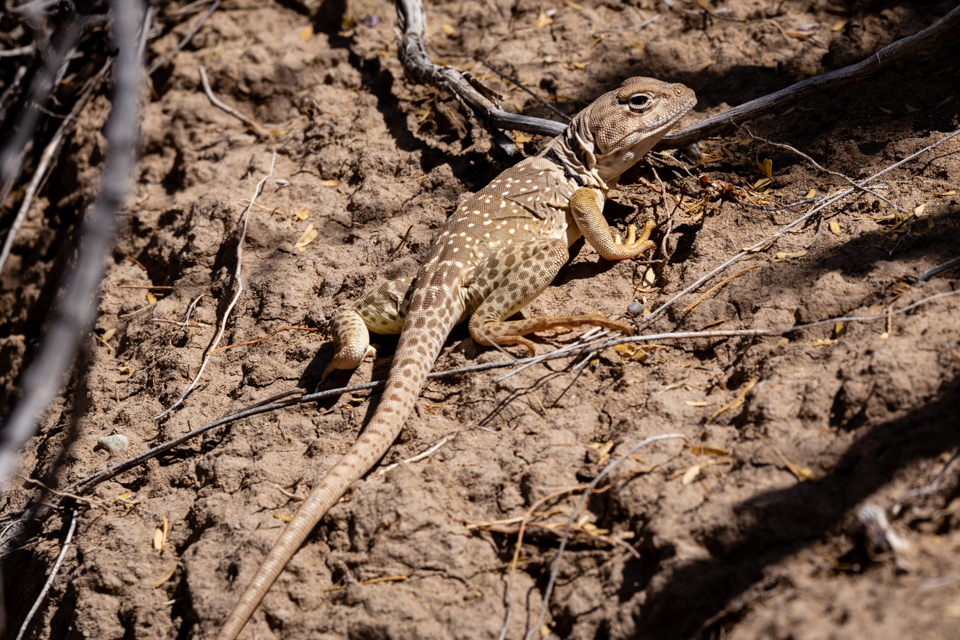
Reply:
x=186, y=39
x=535, y=629
x=412, y=26
x=524, y=88
x=77, y=309
x=823, y=205
x=212, y=347
x=473, y=95
x=40, y=175
x=250, y=122
x=728, y=121
x=53, y=574
x=84, y=485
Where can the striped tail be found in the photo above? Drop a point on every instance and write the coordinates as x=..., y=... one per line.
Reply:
x=423, y=335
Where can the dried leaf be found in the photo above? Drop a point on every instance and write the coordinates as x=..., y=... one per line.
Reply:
x=766, y=167
x=838, y=25
x=886, y=111
x=839, y=329
x=694, y=403
x=329, y=183
x=826, y=342
x=542, y=20
x=448, y=29
x=708, y=451
x=911, y=108
x=761, y=184
x=302, y=213
x=835, y=227
x=573, y=5
x=308, y=236
x=151, y=299
x=919, y=210
x=631, y=352
x=109, y=333
x=810, y=194
x=158, y=540
x=306, y=34
x=785, y=255
x=520, y=137
x=280, y=516
x=691, y=474
x=946, y=193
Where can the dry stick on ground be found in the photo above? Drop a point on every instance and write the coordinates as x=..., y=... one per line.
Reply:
x=77, y=308
x=470, y=92
x=84, y=485
x=823, y=205
x=40, y=174
x=41, y=89
x=186, y=39
x=535, y=629
x=250, y=122
x=53, y=574
x=212, y=347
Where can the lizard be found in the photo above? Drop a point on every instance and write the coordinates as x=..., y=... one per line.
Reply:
x=495, y=254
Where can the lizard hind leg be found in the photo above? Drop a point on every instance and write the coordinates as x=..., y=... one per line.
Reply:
x=382, y=311
x=510, y=280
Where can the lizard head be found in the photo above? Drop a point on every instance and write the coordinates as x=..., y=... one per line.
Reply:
x=621, y=126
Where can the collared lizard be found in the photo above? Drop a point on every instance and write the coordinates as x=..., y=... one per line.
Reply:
x=497, y=252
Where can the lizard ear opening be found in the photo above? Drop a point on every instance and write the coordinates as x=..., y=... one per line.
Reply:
x=640, y=102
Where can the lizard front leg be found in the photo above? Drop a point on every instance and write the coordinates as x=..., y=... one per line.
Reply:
x=586, y=206
x=509, y=280
x=382, y=311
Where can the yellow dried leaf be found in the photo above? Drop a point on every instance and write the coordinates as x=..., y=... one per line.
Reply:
x=919, y=210
x=329, y=183
x=448, y=29
x=691, y=474
x=124, y=496
x=542, y=20
x=838, y=329
x=708, y=451
x=835, y=227
x=151, y=299
x=810, y=71
x=886, y=111
x=306, y=34
x=838, y=25
x=573, y=5
x=694, y=403
x=911, y=108
x=581, y=65
x=631, y=352
x=761, y=184
x=158, y=540
x=784, y=255
x=125, y=371
x=519, y=107
x=783, y=341
x=156, y=585
x=946, y=193
x=606, y=448
x=793, y=33
x=929, y=223
x=109, y=333
x=810, y=194
x=520, y=138
x=766, y=167
x=593, y=529
x=280, y=516
x=826, y=342
x=308, y=236
x=302, y=213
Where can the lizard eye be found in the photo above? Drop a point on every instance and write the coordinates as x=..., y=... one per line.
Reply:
x=640, y=102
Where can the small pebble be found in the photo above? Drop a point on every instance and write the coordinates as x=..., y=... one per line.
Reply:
x=635, y=308
x=116, y=442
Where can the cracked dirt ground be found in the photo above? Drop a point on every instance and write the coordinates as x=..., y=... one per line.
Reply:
x=760, y=541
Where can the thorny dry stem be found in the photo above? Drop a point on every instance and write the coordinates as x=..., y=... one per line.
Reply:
x=212, y=347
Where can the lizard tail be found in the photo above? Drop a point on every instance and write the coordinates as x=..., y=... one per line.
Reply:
x=416, y=352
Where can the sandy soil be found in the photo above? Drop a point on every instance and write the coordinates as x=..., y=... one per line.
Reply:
x=754, y=535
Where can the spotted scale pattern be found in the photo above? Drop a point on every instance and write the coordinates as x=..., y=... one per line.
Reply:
x=493, y=256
